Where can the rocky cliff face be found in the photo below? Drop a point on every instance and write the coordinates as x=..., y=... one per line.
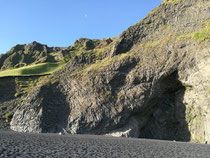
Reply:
x=152, y=81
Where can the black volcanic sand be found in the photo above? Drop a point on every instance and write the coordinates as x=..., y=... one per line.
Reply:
x=14, y=144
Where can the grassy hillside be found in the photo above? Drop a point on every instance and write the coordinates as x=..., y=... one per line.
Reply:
x=37, y=69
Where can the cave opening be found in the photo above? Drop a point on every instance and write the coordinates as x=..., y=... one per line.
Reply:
x=167, y=120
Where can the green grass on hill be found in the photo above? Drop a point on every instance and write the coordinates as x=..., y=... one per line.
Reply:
x=37, y=69
x=203, y=35
x=171, y=1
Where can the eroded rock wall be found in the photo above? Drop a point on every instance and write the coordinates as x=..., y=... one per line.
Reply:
x=197, y=97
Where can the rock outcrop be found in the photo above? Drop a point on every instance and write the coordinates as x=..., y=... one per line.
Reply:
x=33, y=53
x=152, y=81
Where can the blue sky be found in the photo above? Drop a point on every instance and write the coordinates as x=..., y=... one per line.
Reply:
x=61, y=22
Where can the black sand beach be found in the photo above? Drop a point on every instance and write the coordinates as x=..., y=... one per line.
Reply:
x=14, y=144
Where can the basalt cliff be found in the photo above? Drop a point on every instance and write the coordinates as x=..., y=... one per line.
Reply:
x=152, y=81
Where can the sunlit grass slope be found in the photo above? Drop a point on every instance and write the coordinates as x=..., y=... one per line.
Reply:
x=38, y=69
